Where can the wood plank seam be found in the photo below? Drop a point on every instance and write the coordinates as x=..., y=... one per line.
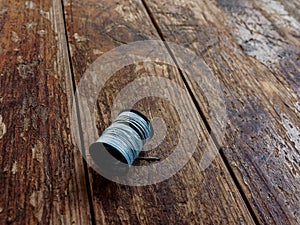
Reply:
x=87, y=179
x=206, y=123
x=41, y=170
x=174, y=196
x=271, y=198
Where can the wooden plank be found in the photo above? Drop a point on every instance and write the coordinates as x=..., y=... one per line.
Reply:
x=42, y=177
x=189, y=197
x=253, y=48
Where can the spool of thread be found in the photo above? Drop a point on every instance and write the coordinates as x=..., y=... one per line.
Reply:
x=120, y=143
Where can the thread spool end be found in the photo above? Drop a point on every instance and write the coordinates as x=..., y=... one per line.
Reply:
x=108, y=159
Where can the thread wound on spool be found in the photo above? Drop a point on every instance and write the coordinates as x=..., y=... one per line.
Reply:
x=121, y=142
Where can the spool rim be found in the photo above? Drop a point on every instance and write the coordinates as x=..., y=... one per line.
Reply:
x=141, y=115
x=109, y=159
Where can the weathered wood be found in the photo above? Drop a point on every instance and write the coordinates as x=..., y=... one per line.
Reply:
x=190, y=196
x=42, y=178
x=253, y=48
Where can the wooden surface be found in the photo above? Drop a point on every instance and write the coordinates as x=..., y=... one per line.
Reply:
x=41, y=172
x=254, y=50
x=189, y=197
x=252, y=47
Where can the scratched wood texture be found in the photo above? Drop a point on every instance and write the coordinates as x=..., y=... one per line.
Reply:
x=189, y=197
x=253, y=47
x=42, y=179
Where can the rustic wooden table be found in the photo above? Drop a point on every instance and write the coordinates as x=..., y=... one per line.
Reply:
x=251, y=46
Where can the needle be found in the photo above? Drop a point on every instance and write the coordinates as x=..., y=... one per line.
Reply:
x=149, y=158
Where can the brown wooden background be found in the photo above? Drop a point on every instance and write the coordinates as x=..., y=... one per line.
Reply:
x=251, y=46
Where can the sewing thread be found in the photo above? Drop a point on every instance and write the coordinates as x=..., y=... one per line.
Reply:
x=121, y=142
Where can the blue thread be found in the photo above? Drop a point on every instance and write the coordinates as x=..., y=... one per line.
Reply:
x=126, y=136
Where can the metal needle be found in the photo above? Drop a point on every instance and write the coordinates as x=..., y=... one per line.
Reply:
x=149, y=158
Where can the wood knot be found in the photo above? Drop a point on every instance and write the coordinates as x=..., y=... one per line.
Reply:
x=2, y=128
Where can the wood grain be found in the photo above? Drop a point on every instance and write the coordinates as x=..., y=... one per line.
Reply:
x=42, y=178
x=253, y=48
x=189, y=197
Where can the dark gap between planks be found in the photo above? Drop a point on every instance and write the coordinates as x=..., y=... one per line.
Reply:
x=86, y=173
x=200, y=111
